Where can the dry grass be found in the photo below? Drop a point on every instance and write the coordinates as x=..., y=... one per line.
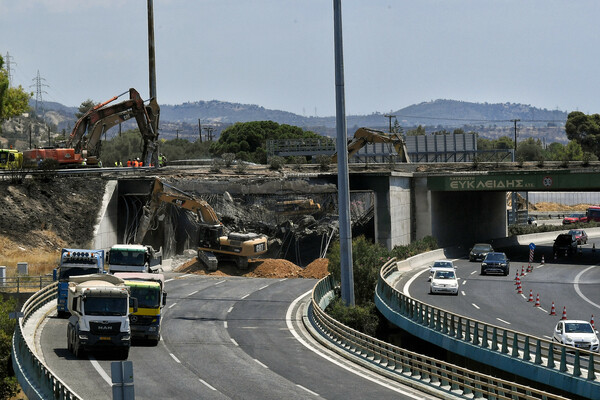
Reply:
x=40, y=261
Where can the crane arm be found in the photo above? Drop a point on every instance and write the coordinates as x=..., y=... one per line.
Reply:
x=362, y=136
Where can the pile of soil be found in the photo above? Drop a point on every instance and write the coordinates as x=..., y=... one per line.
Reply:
x=262, y=268
x=550, y=206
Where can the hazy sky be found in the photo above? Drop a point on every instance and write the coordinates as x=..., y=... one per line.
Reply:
x=279, y=53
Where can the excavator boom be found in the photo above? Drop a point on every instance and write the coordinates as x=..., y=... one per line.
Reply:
x=362, y=136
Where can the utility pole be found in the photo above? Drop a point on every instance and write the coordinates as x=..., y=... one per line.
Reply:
x=177, y=132
x=209, y=130
x=389, y=116
x=515, y=122
x=200, y=129
x=8, y=68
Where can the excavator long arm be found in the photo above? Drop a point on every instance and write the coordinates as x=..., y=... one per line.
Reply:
x=178, y=198
x=103, y=117
x=362, y=136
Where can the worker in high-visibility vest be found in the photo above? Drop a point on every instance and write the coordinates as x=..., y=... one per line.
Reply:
x=129, y=162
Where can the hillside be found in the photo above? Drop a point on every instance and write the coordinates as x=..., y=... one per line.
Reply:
x=490, y=120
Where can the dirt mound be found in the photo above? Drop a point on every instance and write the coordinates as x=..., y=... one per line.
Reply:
x=263, y=268
x=550, y=206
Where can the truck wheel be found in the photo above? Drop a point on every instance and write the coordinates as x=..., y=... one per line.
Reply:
x=124, y=353
x=78, y=350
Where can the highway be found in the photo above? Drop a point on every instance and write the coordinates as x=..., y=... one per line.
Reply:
x=572, y=282
x=225, y=338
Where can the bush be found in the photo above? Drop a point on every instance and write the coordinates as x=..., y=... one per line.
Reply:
x=364, y=318
x=8, y=383
x=48, y=170
x=241, y=167
x=228, y=159
x=276, y=163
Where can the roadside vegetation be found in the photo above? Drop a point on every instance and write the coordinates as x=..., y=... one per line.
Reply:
x=8, y=382
x=367, y=259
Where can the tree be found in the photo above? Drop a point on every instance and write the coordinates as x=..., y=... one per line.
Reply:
x=420, y=131
x=585, y=130
x=13, y=101
x=84, y=107
x=8, y=383
x=530, y=150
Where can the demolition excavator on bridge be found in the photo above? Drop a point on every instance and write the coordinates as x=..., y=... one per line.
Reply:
x=215, y=244
x=363, y=136
x=84, y=141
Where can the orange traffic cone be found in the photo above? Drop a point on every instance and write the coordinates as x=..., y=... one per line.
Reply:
x=519, y=288
x=529, y=268
x=518, y=281
x=564, y=316
x=537, y=301
x=592, y=322
x=530, y=295
x=542, y=259
x=553, y=310
x=522, y=270
x=517, y=278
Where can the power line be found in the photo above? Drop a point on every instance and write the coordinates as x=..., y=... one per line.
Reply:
x=475, y=120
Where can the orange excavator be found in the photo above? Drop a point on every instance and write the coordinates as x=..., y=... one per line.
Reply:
x=83, y=144
x=363, y=136
x=215, y=242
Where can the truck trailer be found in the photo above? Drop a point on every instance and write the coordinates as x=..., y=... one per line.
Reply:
x=74, y=262
x=99, y=306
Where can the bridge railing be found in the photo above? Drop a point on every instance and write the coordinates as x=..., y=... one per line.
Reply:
x=25, y=283
x=36, y=379
x=563, y=367
x=419, y=371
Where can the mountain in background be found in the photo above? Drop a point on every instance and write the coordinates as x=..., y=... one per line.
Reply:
x=489, y=120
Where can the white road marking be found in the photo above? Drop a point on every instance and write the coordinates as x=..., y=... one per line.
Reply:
x=541, y=309
x=576, y=284
x=230, y=309
x=100, y=370
x=244, y=296
x=261, y=364
x=503, y=321
x=411, y=280
x=462, y=292
x=309, y=391
x=523, y=296
x=193, y=293
x=234, y=342
x=288, y=319
x=475, y=305
x=175, y=358
x=263, y=287
x=169, y=280
x=172, y=305
x=464, y=282
x=225, y=324
x=472, y=273
x=186, y=275
x=218, y=283
x=206, y=384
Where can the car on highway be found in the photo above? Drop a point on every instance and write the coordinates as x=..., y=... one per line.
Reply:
x=444, y=281
x=565, y=244
x=479, y=251
x=495, y=262
x=573, y=219
x=580, y=334
x=441, y=265
x=580, y=235
x=532, y=221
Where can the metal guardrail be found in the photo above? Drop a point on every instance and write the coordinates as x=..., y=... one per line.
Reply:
x=536, y=359
x=409, y=367
x=37, y=381
x=24, y=283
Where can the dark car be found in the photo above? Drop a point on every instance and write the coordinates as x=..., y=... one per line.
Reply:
x=565, y=244
x=479, y=251
x=495, y=262
x=573, y=219
x=580, y=235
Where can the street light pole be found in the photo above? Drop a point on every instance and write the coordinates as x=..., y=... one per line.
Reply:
x=515, y=122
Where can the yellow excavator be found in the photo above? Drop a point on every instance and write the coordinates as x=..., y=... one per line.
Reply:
x=215, y=243
x=362, y=136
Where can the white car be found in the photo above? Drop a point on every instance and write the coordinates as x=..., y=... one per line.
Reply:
x=444, y=281
x=576, y=333
x=441, y=265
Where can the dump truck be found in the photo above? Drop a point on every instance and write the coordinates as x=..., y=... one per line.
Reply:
x=133, y=258
x=75, y=262
x=99, y=305
x=149, y=290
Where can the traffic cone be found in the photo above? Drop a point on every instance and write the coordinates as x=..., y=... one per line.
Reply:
x=564, y=316
x=522, y=270
x=592, y=322
x=542, y=259
x=537, y=301
x=518, y=280
x=553, y=310
x=519, y=288
x=530, y=295
x=529, y=268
